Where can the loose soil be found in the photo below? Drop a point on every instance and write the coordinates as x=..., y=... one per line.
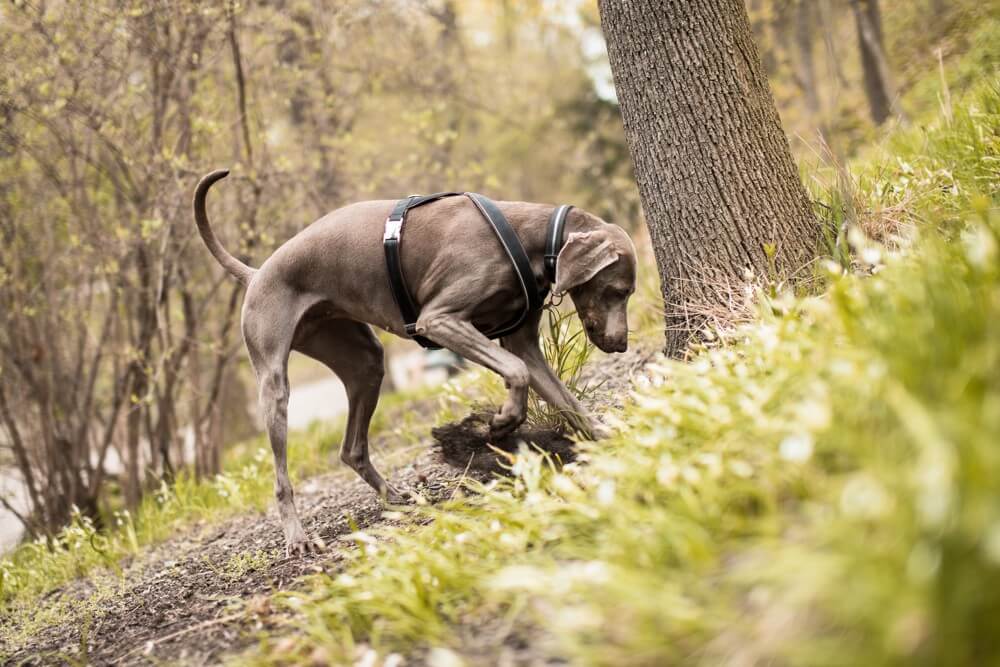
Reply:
x=203, y=595
x=468, y=444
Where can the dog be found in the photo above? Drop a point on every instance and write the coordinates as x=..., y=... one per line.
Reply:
x=319, y=293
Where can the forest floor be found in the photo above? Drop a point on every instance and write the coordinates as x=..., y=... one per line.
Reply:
x=205, y=593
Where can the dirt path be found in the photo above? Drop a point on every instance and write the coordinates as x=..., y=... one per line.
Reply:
x=202, y=595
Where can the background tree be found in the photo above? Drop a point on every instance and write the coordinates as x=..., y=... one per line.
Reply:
x=879, y=90
x=720, y=191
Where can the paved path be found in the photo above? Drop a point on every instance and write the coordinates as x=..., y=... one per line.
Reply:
x=323, y=399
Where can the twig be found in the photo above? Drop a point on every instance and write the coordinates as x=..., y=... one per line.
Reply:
x=458, y=485
x=200, y=626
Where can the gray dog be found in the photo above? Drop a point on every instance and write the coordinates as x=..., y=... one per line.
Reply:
x=318, y=293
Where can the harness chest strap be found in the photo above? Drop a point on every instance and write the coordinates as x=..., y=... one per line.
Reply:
x=391, y=240
x=534, y=298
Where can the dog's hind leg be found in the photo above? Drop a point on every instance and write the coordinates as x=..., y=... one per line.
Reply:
x=269, y=339
x=352, y=351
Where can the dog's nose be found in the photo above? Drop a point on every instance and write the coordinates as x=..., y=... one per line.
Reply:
x=612, y=344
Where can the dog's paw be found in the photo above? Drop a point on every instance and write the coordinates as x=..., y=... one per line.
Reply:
x=393, y=496
x=599, y=431
x=504, y=423
x=304, y=547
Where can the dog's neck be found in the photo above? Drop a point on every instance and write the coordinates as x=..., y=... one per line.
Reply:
x=534, y=237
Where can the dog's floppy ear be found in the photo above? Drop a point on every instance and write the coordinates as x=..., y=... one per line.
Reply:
x=582, y=256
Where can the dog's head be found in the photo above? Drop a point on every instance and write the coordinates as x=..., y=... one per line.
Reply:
x=597, y=268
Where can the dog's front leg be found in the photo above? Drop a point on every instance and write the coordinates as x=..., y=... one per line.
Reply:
x=524, y=344
x=465, y=340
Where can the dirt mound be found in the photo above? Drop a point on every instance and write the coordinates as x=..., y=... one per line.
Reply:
x=468, y=445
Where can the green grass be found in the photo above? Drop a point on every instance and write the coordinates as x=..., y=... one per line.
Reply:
x=35, y=567
x=246, y=484
x=819, y=487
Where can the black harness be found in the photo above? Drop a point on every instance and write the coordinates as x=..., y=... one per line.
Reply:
x=534, y=298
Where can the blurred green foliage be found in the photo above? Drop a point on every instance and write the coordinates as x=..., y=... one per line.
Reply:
x=919, y=35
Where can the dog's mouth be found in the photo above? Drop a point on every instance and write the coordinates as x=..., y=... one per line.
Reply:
x=604, y=343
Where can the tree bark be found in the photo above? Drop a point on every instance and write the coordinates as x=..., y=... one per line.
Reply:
x=720, y=191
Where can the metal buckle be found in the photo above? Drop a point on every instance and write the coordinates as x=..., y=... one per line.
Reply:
x=392, y=229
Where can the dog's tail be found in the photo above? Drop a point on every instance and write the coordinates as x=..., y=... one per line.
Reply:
x=234, y=266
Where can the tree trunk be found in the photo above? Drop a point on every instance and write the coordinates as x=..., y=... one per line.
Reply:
x=874, y=66
x=133, y=468
x=720, y=191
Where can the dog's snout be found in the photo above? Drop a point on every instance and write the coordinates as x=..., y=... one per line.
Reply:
x=609, y=343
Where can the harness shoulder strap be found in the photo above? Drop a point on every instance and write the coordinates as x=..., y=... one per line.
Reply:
x=534, y=297
x=554, y=240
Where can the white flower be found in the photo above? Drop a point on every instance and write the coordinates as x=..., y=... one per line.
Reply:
x=444, y=657
x=876, y=370
x=741, y=468
x=864, y=497
x=368, y=658
x=813, y=414
x=797, y=447
x=690, y=474
x=833, y=268
x=606, y=492
x=590, y=572
x=871, y=255
x=564, y=485
x=520, y=577
x=980, y=246
x=667, y=472
x=712, y=463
